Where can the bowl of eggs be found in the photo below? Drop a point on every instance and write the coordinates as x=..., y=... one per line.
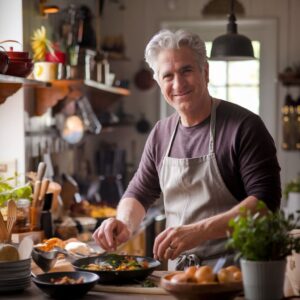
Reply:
x=201, y=283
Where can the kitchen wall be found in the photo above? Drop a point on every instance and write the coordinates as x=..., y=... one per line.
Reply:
x=141, y=19
x=12, y=140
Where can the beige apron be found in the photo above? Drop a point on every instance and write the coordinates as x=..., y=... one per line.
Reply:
x=193, y=190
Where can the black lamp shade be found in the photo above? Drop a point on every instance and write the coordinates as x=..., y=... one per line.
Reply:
x=232, y=46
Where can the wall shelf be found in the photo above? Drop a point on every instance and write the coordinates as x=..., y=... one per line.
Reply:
x=100, y=95
x=9, y=85
x=289, y=79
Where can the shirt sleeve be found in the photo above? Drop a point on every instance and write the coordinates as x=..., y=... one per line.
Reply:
x=144, y=185
x=258, y=164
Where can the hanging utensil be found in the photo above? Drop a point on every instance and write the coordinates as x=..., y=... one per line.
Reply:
x=90, y=119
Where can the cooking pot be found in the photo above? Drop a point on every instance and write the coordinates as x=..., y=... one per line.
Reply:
x=4, y=61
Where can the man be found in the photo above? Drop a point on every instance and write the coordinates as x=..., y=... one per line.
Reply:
x=208, y=159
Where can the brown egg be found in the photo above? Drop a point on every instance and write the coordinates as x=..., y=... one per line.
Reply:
x=233, y=269
x=237, y=276
x=190, y=271
x=225, y=276
x=180, y=278
x=183, y=278
x=204, y=274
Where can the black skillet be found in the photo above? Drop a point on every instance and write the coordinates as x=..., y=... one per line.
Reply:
x=117, y=277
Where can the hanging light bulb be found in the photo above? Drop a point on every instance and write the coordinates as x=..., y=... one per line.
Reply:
x=232, y=45
x=47, y=9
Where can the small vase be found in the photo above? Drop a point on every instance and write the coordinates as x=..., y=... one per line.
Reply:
x=263, y=280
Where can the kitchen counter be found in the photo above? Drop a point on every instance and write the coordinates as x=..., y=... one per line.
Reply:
x=33, y=293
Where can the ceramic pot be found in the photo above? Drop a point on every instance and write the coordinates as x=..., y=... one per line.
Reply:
x=3, y=62
x=263, y=280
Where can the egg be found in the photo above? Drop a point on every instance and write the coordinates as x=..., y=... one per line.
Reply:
x=232, y=269
x=204, y=274
x=190, y=271
x=224, y=276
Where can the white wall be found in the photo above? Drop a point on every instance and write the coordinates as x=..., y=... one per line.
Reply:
x=12, y=140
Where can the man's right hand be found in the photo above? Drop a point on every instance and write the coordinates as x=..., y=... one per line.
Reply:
x=111, y=233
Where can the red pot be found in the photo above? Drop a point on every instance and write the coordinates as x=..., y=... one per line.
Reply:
x=19, y=68
x=4, y=60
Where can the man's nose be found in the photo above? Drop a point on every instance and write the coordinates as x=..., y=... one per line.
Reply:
x=178, y=82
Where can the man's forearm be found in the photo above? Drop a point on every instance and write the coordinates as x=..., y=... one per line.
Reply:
x=216, y=226
x=131, y=212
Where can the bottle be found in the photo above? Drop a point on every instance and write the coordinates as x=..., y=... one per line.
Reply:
x=286, y=122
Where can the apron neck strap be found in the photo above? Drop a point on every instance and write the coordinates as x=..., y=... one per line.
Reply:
x=212, y=127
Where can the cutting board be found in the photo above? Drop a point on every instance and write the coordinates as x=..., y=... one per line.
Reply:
x=135, y=288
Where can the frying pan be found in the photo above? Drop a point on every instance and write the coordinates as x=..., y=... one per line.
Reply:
x=117, y=277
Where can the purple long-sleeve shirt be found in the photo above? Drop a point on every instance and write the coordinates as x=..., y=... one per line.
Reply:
x=245, y=152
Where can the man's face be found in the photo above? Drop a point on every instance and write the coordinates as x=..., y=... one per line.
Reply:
x=182, y=82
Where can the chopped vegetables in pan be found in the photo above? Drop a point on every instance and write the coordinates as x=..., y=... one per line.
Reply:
x=116, y=262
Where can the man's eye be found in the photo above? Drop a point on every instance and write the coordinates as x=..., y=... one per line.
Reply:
x=167, y=77
x=186, y=71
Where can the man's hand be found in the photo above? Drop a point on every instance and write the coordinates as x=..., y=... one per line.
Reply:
x=111, y=233
x=175, y=240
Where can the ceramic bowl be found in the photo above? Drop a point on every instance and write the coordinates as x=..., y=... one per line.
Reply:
x=19, y=68
x=66, y=291
x=195, y=291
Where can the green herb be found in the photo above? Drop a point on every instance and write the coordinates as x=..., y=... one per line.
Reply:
x=8, y=191
x=148, y=283
x=264, y=235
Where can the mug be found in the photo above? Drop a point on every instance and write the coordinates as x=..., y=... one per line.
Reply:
x=45, y=71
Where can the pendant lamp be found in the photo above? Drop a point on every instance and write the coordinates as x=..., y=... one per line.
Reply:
x=232, y=46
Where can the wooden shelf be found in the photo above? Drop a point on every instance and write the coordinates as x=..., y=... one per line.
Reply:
x=101, y=95
x=9, y=85
x=289, y=79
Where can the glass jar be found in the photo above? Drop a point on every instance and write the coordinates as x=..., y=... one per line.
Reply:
x=22, y=222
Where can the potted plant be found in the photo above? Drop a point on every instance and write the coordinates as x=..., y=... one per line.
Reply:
x=263, y=241
x=292, y=195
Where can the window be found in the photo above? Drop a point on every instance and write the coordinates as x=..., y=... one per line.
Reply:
x=237, y=82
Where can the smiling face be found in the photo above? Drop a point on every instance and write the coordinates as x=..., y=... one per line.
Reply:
x=183, y=84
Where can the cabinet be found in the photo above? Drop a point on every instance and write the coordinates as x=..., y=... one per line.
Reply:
x=290, y=113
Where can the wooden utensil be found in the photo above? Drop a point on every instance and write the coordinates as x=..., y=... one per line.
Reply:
x=3, y=229
x=36, y=193
x=11, y=216
x=43, y=191
x=41, y=171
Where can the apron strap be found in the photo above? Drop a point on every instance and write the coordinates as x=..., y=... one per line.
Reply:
x=172, y=138
x=212, y=127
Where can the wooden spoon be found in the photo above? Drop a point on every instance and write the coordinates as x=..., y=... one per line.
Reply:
x=3, y=229
x=11, y=216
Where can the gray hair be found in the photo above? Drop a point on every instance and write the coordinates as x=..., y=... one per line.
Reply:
x=166, y=39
